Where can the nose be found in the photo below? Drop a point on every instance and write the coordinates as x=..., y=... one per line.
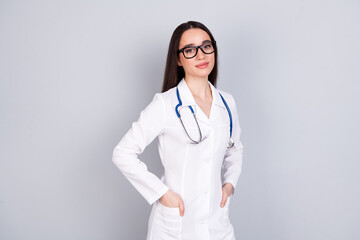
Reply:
x=200, y=54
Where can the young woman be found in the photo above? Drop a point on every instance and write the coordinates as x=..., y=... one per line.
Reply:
x=199, y=144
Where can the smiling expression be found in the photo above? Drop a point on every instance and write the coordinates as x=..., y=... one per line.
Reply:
x=202, y=64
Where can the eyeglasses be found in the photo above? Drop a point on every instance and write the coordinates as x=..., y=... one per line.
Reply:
x=191, y=51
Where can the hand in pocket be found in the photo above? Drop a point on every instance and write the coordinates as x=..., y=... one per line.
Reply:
x=173, y=200
x=227, y=191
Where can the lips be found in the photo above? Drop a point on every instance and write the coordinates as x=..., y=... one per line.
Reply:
x=202, y=65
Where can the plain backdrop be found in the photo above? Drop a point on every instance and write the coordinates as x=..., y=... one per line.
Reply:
x=75, y=74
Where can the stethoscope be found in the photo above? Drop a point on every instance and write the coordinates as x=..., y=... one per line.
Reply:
x=231, y=141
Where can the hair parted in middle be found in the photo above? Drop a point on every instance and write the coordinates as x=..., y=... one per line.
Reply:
x=173, y=72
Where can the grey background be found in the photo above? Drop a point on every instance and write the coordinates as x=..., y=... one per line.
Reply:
x=74, y=75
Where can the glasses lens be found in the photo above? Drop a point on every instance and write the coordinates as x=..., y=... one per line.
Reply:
x=208, y=48
x=189, y=52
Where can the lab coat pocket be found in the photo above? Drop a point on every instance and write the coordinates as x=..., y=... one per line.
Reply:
x=227, y=204
x=168, y=210
x=167, y=221
x=225, y=212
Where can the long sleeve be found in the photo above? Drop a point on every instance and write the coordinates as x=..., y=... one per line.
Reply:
x=125, y=155
x=232, y=164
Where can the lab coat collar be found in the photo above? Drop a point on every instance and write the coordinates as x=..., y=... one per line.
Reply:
x=186, y=96
x=216, y=97
x=187, y=99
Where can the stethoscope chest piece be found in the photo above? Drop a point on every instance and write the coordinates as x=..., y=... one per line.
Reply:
x=231, y=143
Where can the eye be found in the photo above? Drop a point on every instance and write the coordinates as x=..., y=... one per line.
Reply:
x=189, y=50
x=207, y=46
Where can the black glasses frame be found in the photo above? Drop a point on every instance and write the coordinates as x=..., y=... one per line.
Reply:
x=197, y=48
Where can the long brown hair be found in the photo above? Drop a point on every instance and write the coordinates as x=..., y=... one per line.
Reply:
x=173, y=72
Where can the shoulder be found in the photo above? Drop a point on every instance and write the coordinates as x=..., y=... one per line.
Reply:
x=167, y=94
x=166, y=97
x=162, y=102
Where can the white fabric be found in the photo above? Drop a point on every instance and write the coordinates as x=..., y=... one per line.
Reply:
x=195, y=171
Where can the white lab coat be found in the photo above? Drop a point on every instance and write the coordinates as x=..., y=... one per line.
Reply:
x=195, y=171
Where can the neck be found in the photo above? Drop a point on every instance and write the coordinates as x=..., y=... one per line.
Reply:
x=199, y=87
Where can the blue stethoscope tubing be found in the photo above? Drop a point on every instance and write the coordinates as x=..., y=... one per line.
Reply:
x=231, y=141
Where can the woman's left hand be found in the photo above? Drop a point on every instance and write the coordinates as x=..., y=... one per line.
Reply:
x=227, y=190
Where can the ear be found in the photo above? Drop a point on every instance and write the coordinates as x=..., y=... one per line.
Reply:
x=178, y=62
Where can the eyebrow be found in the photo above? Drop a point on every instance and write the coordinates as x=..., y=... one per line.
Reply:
x=192, y=44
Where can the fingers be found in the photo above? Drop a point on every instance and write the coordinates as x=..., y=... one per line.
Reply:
x=181, y=207
x=223, y=200
x=170, y=198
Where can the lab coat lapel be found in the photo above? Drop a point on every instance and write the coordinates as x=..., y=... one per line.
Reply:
x=217, y=108
x=187, y=99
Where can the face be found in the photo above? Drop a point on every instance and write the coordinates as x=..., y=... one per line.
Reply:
x=202, y=64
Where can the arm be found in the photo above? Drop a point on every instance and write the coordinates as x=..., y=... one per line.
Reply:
x=125, y=155
x=232, y=164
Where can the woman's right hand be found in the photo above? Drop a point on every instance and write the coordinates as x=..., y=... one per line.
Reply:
x=173, y=200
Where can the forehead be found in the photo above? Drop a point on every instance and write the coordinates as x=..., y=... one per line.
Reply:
x=193, y=36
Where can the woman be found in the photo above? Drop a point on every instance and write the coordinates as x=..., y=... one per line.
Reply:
x=201, y=152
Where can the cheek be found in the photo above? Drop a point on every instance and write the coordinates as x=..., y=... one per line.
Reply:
x=187, y=65
x=184, y=62
x=212, y=60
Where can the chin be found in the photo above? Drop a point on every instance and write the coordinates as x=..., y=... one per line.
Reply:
x=205, y=74
x=201, y=75
x=202, y=72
